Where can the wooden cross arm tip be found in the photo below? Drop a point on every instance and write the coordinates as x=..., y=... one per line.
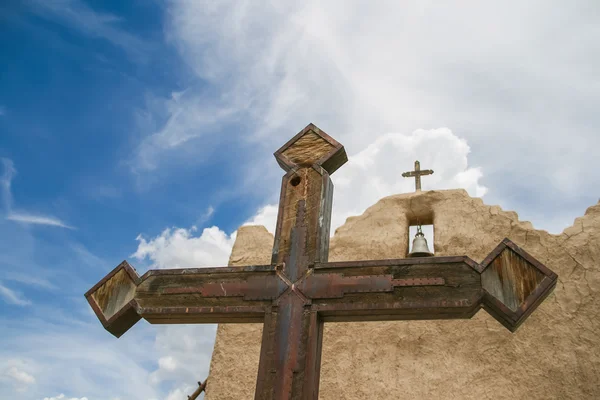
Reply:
x=112, y=299
x=191, y=295
x=311, y=146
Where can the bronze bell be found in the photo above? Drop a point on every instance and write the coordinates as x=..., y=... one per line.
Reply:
x=419, y=248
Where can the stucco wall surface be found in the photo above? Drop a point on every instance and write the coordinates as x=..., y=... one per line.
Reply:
x=555, y=354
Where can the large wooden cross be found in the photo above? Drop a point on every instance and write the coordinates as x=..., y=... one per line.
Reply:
x=300, y=290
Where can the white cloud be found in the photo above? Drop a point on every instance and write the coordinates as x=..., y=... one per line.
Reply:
x=168, y=363
x=19, y=376
x=181, y=393
x=76, y=14
x=62, y=397
x=265, y=216
x=188, y=133
x=178, y=248
x=18, y=373
x=376, y=172
x=208, y=213
x=490, y=73
x=8, y=174
x=12, y=297
x=37, y=220
x=98, y=365
x=185, y=352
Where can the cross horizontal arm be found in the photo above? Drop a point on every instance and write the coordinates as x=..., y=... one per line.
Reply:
x=509, y=284
x=375, y=290
x=193, y=295
x=417, y=173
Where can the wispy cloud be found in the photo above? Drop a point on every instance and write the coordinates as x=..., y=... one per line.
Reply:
x=99, y=366
x=358, y=83
x=183, y=125
x=37, y=220
x=8, y=174
x=63, y=397
x=12, y=297
x=103, y=192
x=210, y=210
x=76, y=14
x=28, y=279
x=19, y=376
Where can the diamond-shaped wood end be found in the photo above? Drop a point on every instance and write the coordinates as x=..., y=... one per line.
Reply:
x=514, y=284
x=112, y=299
x=309, y=147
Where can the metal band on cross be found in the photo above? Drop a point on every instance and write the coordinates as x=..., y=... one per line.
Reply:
x=417, y=173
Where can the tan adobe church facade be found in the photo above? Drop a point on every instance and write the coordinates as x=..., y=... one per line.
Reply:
x=554, y=355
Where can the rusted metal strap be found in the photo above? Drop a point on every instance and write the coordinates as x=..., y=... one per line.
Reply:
x=253, y=288
x=419, y=282
x=201, y=387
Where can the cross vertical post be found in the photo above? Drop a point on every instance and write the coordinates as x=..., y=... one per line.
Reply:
x=292, y=332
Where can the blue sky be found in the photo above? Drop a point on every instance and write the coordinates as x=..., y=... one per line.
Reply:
x=144, y=130
x=78, y=82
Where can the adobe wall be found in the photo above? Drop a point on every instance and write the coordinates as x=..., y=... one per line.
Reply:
x=555, y=354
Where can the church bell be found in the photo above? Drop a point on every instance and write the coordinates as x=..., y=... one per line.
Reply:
x=419, y=248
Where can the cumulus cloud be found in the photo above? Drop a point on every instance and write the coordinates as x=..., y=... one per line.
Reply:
x=376, y=172
x=490, y=73
x=369, y=175
x=179, y=248
x=265, y=216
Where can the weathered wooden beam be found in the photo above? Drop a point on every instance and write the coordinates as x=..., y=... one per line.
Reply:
x=193, y=295
x=200, y=389
x=515, y=284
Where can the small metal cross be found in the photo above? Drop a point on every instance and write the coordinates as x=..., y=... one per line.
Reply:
x=417, y=173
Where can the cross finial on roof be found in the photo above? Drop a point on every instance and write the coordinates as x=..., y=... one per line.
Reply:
x=417, y=173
